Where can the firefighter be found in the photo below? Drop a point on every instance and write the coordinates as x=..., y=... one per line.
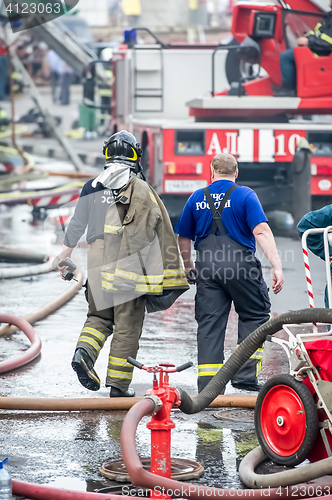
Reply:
x=133, y=254
x=4, y=121
x=104, y=90
x=313, y=220
x=319, y=42
x=105, y=94
x=224, y=219
x=3, y=71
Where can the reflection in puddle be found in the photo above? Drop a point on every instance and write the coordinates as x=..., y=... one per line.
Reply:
x=66, y=450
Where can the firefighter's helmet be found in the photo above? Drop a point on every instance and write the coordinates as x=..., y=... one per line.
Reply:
x=122, y=147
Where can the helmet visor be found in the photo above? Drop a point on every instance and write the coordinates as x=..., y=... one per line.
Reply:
x=123, y=149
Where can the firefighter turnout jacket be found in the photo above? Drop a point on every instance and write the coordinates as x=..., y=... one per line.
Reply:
x=140, y=250
x=320, y=40
x=140, y=253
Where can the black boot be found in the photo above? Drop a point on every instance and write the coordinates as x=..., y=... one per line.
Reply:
x=252, y=386
x=284, y=91
x=82, y=364
x=116, y=393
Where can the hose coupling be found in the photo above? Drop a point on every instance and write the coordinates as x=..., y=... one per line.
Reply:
x=178, y=397
x=156, y=401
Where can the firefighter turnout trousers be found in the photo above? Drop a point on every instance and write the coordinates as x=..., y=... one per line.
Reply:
x=124, y=320
x=227, y=272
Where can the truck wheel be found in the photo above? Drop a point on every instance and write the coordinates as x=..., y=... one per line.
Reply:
x=286, y=420
x=237, y=70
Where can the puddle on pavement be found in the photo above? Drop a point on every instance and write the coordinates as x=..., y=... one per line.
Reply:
x=67, y=449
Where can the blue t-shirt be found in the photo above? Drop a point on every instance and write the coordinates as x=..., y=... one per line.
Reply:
x=242, y=213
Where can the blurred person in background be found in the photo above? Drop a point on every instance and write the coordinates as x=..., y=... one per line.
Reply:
x=222, y=11
x=66, y=80
x=3, y=71
x=105, y=90
x=210, y=11
x=132, y=9
x=89, y=82
x=113, y=8
x=36, y=60
x=23, y=52
x=55, y=64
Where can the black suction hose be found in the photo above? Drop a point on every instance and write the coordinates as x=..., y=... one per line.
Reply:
x=244, y=351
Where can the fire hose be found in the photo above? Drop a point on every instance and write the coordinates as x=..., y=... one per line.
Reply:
x=286, y=478
x=107, y=404
x=243, y=353
x=139, y=476
x=26, y=356
x=48, y=308
x=149, y=406
x=19, y=272
x=39, y=492
x=17, y=255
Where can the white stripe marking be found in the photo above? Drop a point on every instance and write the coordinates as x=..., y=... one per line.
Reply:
x=266, y=145
x=44, y=201
x=64, y=199
x=246, y=145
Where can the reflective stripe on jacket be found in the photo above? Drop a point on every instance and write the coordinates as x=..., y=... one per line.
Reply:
x=320, y=40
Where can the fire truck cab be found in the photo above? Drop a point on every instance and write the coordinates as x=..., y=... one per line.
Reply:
x=186, y=103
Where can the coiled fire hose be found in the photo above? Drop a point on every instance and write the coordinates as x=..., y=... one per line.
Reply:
x=285, y=478
x=24, y=357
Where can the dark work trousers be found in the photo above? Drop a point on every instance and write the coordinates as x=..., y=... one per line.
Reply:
x=288, y=68
x=55, y=82
x=3, y=75
x=66, y=80
x=124, y=321
x=227, y=272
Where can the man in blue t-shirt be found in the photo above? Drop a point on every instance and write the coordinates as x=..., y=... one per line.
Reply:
x=226, y=267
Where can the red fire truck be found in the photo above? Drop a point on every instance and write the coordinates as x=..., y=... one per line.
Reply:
x=185, y=103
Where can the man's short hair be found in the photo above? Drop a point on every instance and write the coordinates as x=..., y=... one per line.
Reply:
x=224, y=164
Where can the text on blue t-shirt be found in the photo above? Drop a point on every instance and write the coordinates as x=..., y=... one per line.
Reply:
x=242, y=213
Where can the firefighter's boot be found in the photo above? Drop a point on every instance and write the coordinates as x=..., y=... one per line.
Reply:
x=116, y=393
x=82, y=364
x=251, y=386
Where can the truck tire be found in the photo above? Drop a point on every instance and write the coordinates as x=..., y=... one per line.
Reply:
x=146, y=163
x=286, y=420
x=237, y=70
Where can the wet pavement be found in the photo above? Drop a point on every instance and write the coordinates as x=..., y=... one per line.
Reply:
x=66, y=449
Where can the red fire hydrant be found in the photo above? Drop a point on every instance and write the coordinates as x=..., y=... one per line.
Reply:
x=161, y=423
